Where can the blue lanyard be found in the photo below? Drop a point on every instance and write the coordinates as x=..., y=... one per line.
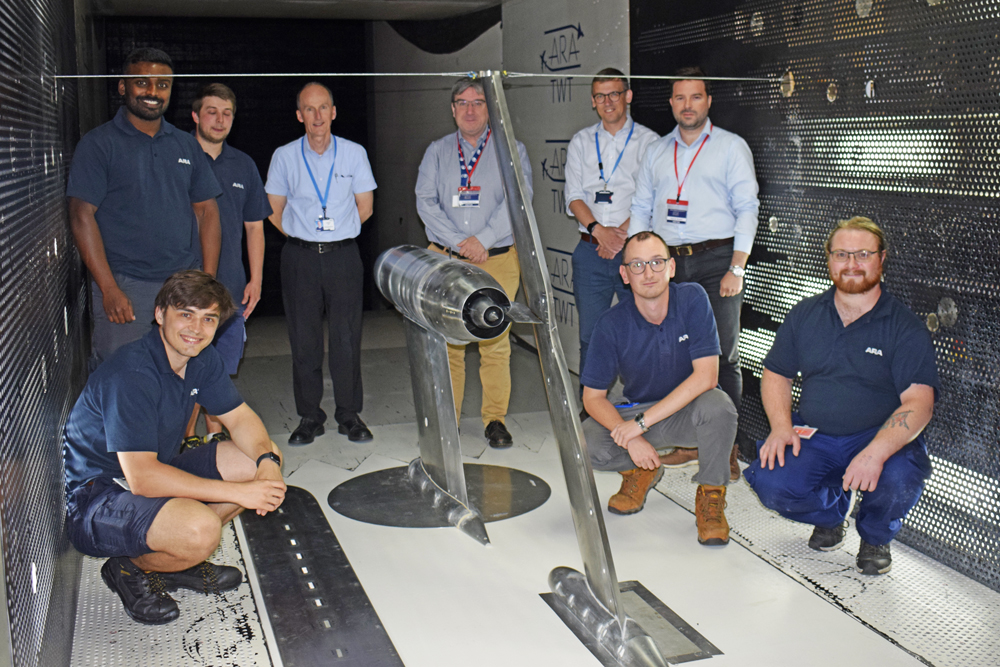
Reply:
x=600, y=164
x=329, y=179
x=474, y=162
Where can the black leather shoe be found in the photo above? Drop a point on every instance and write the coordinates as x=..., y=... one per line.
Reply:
x=306, y=432
x=874, y=558
x=355, y=430
x=498, y=436
x=827, y=539
x=143, y=594
x=204, y=577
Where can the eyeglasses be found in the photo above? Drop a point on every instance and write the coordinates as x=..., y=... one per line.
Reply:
x=862, y=256
x=475, y=104
x=657, y=264
x=614, y=96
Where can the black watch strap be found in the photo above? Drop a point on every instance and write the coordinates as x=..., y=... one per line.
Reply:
x=270, y=455
x=590, y=227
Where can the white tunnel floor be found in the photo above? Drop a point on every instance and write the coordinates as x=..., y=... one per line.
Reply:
x=445, y=601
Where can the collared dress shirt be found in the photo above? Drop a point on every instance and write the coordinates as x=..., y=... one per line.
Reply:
x=583, y=177
x=438, y=180
x=352, y=175
x=721, y=189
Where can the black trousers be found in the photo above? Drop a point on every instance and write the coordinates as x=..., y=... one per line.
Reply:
x=312, y=283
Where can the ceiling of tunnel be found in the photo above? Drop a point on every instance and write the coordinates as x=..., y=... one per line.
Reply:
x=385, y=10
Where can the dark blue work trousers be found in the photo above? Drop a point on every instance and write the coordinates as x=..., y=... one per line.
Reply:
x=809, y=488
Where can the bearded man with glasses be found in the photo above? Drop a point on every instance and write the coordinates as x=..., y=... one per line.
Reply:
x=869, y=383
x=664, y=345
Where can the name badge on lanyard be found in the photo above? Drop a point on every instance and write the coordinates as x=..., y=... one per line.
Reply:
x=604, y=196
x=324, y=223
x=677, y=209
x=468, y=194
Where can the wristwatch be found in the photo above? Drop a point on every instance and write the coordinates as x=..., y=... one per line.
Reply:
x=270, y=455
x=590, y=227
x=640, y=419
x=737, y=270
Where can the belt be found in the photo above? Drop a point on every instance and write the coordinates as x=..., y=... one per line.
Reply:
x=319, y=246
x=493, y=252
x=588, y=238
x=685, y=250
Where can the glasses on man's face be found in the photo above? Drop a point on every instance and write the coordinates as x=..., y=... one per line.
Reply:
x=841, y=256
x=613, y=96
x=465, y=104
x=657, y=264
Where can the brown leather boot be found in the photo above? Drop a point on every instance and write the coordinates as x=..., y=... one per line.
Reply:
x=734, y=464
x=680, y=457
x=635, y=486
x=709, y=506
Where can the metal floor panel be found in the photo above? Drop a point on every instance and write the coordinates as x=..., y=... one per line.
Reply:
x=936, y=614
x=212, y=631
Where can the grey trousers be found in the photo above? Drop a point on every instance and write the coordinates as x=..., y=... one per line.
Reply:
x=708, y=423
x=109, y=336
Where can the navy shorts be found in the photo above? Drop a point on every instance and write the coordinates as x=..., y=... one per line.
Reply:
x=104, y=520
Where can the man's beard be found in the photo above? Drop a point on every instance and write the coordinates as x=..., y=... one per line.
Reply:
x=139, y=109
x=866, y=283
x=210, y=139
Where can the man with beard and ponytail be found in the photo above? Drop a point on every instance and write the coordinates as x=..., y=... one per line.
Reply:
x=869, y=383
x=141, y=204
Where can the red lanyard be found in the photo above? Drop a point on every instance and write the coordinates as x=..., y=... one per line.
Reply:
x=680, y=183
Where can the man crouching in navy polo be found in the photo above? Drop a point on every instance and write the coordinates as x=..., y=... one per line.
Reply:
x=664, y=345
x=869, y=383
x=157, y=515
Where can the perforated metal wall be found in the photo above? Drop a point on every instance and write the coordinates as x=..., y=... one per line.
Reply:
x=894, y=115
x=40, y=321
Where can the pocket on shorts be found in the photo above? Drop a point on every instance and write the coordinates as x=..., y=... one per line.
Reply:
x=109, y=526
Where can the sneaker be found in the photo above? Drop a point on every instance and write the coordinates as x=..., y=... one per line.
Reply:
x=874, y=558
x=631, y=497
x=142, y=593
x=710, y=516
x=204, y=577
x=498, y=436
x=191, y=442
x=680, y=457
x=216, y=437
x=827, y=539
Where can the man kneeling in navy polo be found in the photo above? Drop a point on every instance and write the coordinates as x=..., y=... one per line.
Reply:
x=869, y=383
x=665, y=346
x=156, y=515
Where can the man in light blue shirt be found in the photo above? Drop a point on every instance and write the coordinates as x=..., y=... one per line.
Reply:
x=697, y=189
x=460, y=198
x=321, y=189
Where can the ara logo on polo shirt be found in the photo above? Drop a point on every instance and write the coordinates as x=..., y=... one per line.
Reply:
x=183, y=160
x=239, y=185
x=682, y=338
x=194, y=392
x=874, y=350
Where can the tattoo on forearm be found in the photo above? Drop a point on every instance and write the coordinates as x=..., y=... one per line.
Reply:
x=898, y=419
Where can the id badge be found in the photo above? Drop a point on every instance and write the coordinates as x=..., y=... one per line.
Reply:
x=466, y=197
x=805, y=432
x=603, y=196
x=677, y=211
x=324, y=224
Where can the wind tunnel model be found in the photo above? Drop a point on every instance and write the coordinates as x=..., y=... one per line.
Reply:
x=444, y=301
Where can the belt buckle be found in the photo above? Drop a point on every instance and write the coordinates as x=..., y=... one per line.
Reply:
x=321, y=247
x=684, y=250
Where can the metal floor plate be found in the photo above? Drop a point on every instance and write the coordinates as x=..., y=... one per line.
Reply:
x=212, y=631
x=938, y=615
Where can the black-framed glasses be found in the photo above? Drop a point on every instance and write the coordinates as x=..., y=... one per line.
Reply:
x=475, y=104
x=862, y=256
x=613, y=96
x=657, y=264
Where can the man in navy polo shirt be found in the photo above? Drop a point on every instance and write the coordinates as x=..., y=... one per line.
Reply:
x=242, y=205
x=141, y=205
x=664, y=345
x=321, y=188
x=869, y=383
x=131, y=498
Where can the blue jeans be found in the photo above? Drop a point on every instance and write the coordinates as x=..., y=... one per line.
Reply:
x=595, y=281
x=809, y=487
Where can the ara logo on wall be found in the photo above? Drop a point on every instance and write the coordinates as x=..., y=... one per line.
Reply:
x=561, y=52
x=554, y=164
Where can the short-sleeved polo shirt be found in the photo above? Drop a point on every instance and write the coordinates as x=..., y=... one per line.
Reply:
x=134, y=402
x=143, y=188
x=852, y=376
x=652, y=359
x=242, y=200
x=288, y=177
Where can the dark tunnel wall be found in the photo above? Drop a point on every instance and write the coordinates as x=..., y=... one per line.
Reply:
x=41, y=324
x=893, y=116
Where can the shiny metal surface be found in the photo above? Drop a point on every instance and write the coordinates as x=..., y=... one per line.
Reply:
x=591, y=534
x=458, y=513
x=456, y=299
